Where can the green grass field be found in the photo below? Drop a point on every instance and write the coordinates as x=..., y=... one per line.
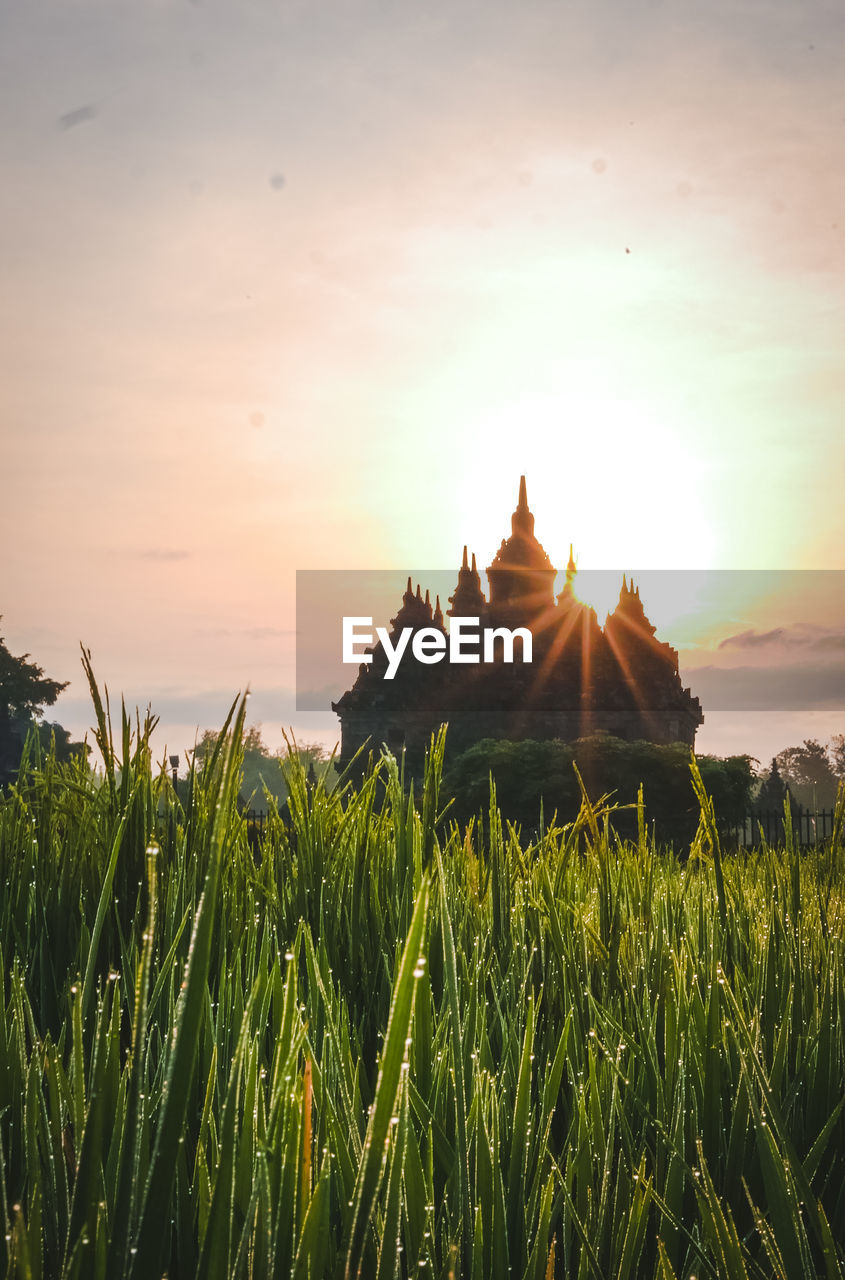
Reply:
x=378, y=1045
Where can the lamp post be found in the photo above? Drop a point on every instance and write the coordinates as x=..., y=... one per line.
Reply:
x=174, y=765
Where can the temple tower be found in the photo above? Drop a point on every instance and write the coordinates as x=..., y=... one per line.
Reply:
x=521, y=576
x=468, y=600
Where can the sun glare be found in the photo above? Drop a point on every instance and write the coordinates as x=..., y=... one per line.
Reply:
x=603, y=474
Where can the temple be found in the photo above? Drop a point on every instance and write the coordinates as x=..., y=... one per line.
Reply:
x=583, y=679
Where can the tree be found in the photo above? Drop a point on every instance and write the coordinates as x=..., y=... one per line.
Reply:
x=836, y=748
x=24, y=689
x=809, y=774
x=263, y=767
x=527, y=773
x=24, y=693
x=260, y=768
x=311, y=753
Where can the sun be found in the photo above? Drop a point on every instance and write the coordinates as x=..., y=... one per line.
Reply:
x=604, y=474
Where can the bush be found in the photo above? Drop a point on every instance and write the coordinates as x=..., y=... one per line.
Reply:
x=529, y=774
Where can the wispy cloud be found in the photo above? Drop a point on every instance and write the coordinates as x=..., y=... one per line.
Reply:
x=248, y=633
x=269, y=633
x=800, y=636
x=204, y=707
x=165, y=554
x=796, y=686
x=80, y=115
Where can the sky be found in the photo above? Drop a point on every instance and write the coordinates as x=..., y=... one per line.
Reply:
x=309, y=285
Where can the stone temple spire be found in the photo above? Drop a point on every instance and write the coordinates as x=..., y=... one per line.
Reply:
x=630, y=611
x=521, y=576
x=568, y=592
x=415, y=612
x=522, y=520
x=468, y=600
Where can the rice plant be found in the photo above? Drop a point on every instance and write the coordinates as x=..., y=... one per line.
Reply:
x=378, y=1045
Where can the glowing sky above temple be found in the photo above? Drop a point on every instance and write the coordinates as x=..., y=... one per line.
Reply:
x=309, y=285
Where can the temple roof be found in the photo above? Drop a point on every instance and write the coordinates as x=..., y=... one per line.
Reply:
x=522, y=550
x=415, y=612
x=630, y=610
x=468, y=598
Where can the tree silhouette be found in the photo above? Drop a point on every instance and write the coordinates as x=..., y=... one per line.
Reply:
x=24, y=693
x=808, y=772
x=24, y=689
x=264, y=768
x=836, y=747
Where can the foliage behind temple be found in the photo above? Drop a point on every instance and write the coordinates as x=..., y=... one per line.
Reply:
x=535, y=776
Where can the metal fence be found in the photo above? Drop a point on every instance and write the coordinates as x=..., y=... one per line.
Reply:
x=809, y=827
x=256, y=818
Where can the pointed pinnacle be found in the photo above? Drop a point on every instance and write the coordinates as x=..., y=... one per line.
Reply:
x=465, y=565
x=473, y=563
x=522, y=504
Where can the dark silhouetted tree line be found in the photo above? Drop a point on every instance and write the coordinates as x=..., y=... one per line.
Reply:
x=530, y=773
x=24, y=693
x=263, y=769
x=812, y=772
